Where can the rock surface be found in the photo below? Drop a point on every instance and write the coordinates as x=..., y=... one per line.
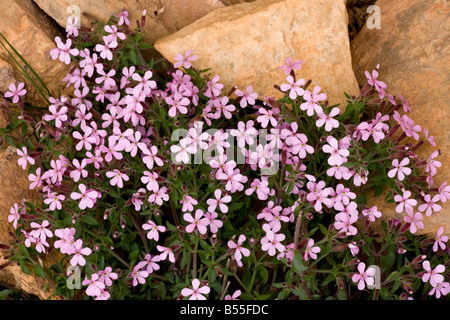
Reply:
x=163, y=16
x=413, y=49
x=32, y=34
x=245, y=44
x=14, y=184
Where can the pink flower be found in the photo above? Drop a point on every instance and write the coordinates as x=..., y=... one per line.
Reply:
x=213, y=223
x=71, y=26
x=154, y=230
x=248, y=98
x=150, y=157
x=433, y=164
x=105, y=50
x=88, y=197
x=78, y=253
x=415, y=219
x=106, y=78
x=54, y=200
x=404, y=202
x=372, y=213
x=79, y=170
x=113, y=33
x=433, y=275
x=150, y=263
x=328, y=120
x=224, y=108
x=400, y=169
x=364, y=276
x=159, y=196
x=67, y=241
x=36, y=180
x=266, y=117
x=310, y=250
x=293, y=87
x=354, y=250
x=178, y=103
x=312, y=101
x=291, y=65
x=344, y=223
x=430, y=206
x=261, y=188
x=166, y=253
x=41, y=231
x=185, y=60
x=145, y=84
x=117, y=178
x=16, y=92
x=380, y=86
x=63, y=51
x=272, y=241
x=406, y=107
x=233, y=178
x=188, y=203
x=14, y=215
x=25, y=158
x=95, y=285
x=197, y=292
x=337, y=154
x=235, y=295
x=138, y=275
x=196, y=223
x=245, y=133
x=429, y=138
x=439, y=289
x=123, y=18
x=86, y=140
x=219, y=201
x=214, y=88
x=58, y=115
x=440, y=240
x=150, y=179
x=239, y=251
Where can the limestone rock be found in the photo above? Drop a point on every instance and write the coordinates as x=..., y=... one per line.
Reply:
x=14, y=184
x=413, y=51
x=32, y=34
x=231, y=2
x=245, y=44
x=163, y=16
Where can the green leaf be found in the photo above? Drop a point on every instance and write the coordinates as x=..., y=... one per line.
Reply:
x=298, y=264
x=4, y=294
x=39, y=271
x=89, y=220
x=264, y=274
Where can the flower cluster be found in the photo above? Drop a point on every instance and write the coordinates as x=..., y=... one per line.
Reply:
x=160, y=183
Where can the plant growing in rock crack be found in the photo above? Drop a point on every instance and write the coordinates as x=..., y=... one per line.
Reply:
x=157, y=184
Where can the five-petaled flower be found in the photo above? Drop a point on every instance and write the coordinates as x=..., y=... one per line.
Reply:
x=197, y=292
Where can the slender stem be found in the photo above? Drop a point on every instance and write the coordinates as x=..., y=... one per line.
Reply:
x=297, y=230
x=141, y=233
x=118, y=257
x=174, y=212
x=194, y=261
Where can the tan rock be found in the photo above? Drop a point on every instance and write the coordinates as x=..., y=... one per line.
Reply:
x=14, y=184
x=231, y=2
x=413, y=50
x=163, y=16
x=32, y=34
x=245, y=44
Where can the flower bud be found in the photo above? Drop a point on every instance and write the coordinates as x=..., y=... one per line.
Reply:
x=353, y=262
x=340, y=247
x=233, y=265
x=405, y=227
